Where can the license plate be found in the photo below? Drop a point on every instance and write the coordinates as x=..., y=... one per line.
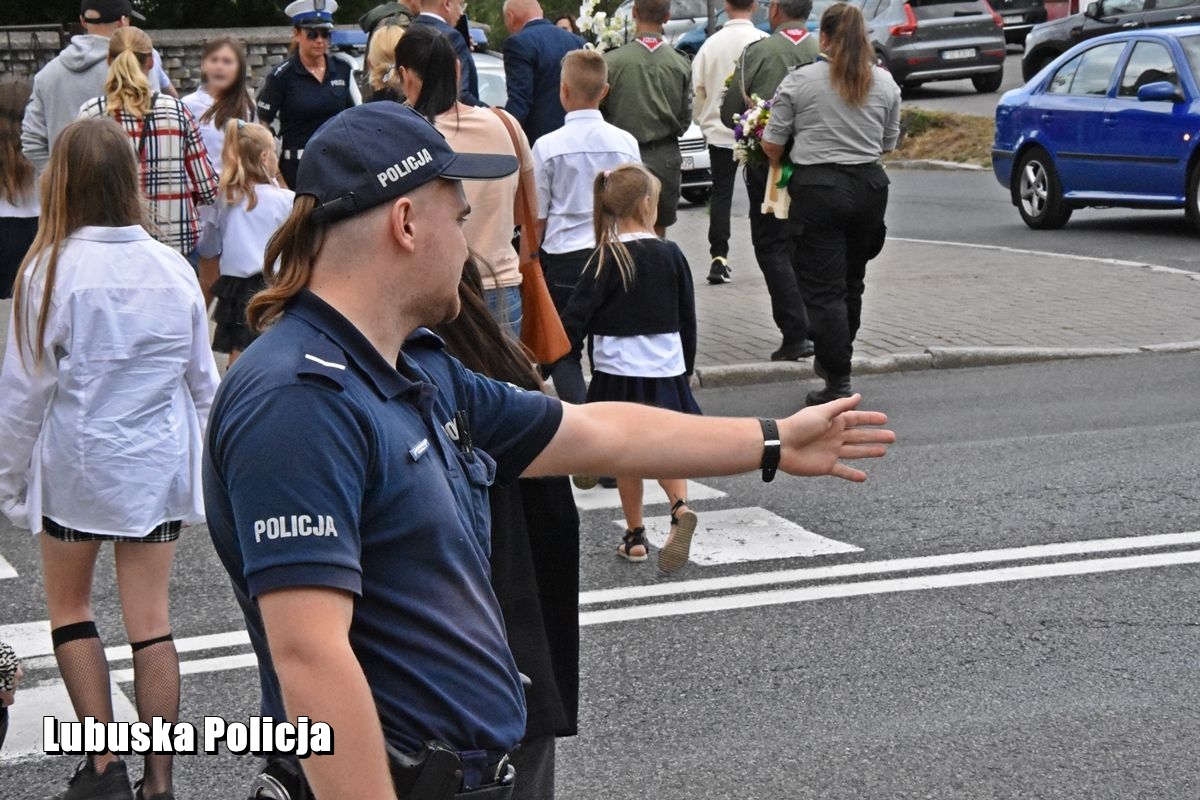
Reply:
x=958, y=55
x=689, y=162
x=1012, y=18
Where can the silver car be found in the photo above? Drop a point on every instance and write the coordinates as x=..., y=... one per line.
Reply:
x=938, y=40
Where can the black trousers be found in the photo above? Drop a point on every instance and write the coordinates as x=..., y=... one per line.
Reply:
x=772, y=249
x=562, y=274
x=837, y=226
x=724, y=175
x=288, y=167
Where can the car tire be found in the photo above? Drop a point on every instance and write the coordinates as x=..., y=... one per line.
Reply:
x=989, y=83
x=1037, y=191
x=1193, y=197
x=696, y=196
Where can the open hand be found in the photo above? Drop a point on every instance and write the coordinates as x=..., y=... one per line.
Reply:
x=817, y=439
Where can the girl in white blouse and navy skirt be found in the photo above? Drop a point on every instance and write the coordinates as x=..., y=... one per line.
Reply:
x=636, y=299
x=104, y=393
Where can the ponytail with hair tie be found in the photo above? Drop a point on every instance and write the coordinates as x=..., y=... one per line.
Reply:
x=127, y=87
x=247, y=160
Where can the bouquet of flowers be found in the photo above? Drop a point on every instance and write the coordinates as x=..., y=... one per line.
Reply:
x=748, y=131
x=603, y=31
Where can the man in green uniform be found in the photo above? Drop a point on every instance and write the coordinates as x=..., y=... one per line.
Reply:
x=758, y=73
x=650, y=96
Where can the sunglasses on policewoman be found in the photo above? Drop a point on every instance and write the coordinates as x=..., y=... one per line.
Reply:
x=317, y=33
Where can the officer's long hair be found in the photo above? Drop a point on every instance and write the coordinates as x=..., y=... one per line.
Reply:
x=92, y=179
x=130, y=54
x=295, y=248
x=475, y=338
x=620, y=194
x=851, y=58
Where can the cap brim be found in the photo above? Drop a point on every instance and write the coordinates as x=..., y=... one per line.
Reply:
x=316, y=23
x=137, y=15
x=479, y=167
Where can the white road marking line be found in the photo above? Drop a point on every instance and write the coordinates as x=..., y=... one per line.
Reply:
x=6, y=569
x=32, y=639
x=1058, y=549
x=197, y=666
x=1117, y=262
x=737, y=535
x=594, y=499
x=48, y=699
x=705, y=605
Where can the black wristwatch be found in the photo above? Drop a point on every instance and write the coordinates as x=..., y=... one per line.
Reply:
x=772, y=449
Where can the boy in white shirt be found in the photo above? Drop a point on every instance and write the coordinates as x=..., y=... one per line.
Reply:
x=566, y=163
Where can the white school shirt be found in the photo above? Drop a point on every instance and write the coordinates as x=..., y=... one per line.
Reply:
x=105, y=434
x=565, y=164
x=239, y=236
x=199, y=102
x=713, y=65
x=658, y=355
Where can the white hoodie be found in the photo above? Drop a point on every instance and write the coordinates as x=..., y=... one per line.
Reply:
x=76, y=75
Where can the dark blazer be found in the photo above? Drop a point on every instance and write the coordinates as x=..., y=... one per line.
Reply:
x=469, y=91
x=532, y=65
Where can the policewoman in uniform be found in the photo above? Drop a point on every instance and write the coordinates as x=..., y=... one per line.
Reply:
x=349, y=457
x=758, y=73
x=308, y=87
x=841, y=114
x=650, y=97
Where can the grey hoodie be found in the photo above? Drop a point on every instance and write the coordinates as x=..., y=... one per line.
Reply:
x=75, y=76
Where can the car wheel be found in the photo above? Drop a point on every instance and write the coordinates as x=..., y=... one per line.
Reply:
x=1037, y=191
x=1193, y=197
x=986, y=84
x=696, y=196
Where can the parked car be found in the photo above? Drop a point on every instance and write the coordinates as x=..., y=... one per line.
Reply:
x=685, y=14
x=492, y=87
x=1113, y=122
x=1049, y=41
x=690, y=42
x=938, y=40
x=1019, y=17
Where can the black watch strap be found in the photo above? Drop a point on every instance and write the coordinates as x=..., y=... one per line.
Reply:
x=772, y=449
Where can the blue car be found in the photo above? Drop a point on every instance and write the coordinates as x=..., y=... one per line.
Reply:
x=1114, y=121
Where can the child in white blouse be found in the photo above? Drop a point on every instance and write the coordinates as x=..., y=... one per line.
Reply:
x=250, y=209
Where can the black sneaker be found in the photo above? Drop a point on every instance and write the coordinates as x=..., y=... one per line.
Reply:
x=793, y=352
x=720, y=272
x=138, y=794
x=87, y=784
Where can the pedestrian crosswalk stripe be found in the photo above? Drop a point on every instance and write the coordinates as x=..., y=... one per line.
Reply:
x=737, y=535
x=598, y=498
x=6, y=569
x=24, y=739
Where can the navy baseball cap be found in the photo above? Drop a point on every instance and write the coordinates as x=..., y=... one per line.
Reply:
x=371, y=154
x=102, y=11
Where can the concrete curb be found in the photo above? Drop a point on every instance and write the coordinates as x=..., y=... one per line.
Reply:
x=932, y=358
x=934, y=164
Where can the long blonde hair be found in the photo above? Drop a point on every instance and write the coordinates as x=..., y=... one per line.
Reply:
x=92, y=179
x=382, y=56
x=851, y=58
x=130, y=55
x=243, y=165
x=618, y=195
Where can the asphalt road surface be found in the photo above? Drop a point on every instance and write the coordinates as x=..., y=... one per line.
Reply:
x=1007, y=609
x=961, y=97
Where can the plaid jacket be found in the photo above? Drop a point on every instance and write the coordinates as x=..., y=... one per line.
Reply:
x=174, y=166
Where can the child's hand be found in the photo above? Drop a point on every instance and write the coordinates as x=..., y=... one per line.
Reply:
x=816, y=439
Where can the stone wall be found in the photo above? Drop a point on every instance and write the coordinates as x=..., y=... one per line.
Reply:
x=23, y=53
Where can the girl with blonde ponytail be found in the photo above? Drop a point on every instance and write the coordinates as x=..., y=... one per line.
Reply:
x=636, y=300
x=252, y=207
x=173, y=164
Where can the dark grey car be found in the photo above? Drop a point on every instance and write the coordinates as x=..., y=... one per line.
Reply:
x=938, y=40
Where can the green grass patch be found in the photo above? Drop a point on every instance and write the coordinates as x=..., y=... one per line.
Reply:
x=944, y=136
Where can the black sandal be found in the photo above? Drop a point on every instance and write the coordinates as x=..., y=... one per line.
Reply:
x=632, y=539
x=674, y=556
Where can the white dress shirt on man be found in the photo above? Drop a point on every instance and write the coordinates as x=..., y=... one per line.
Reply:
x=711, y=69
x=105, y=433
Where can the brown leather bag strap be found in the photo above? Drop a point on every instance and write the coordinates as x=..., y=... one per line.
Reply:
x=526, y=193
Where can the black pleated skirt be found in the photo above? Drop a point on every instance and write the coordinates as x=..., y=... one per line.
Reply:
x=674, y=394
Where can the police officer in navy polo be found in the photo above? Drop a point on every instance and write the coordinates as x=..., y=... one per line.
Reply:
x=308, y=88
x=349, y=457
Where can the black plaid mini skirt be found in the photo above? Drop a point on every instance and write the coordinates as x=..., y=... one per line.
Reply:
x=166, y=532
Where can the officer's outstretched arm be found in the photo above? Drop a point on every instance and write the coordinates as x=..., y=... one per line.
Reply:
x=637, y=441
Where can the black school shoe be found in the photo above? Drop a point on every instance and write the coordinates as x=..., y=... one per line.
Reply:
x=794, y=352
x=138, y=794
x=720, y=271
x=87, y=784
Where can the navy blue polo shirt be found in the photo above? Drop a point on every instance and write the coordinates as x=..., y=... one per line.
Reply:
x=301, y=102
x=328, y=467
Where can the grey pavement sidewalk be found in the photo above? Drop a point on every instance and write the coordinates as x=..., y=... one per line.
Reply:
x=1004, y=305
